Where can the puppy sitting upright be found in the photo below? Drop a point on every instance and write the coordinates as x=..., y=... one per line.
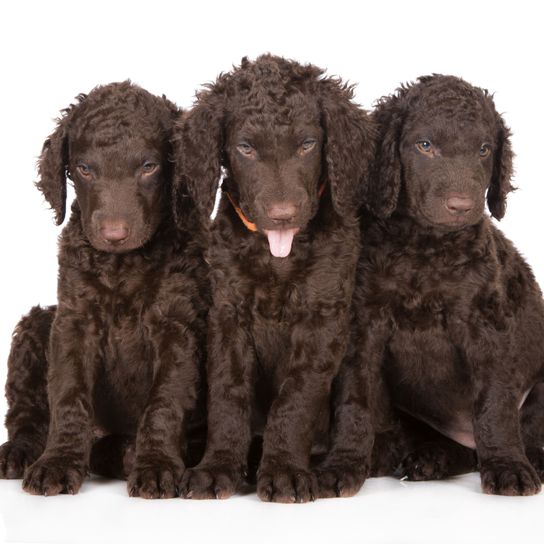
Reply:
x=283, y=251
x=444, y=302
x=126, y=339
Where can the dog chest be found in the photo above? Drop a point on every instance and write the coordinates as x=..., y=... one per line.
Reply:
x=124, y=375
x=124, y=361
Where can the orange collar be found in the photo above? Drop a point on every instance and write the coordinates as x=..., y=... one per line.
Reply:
x=247, y=223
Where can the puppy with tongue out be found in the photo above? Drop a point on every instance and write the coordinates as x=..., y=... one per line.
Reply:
x=294, y=150
x=280, y=239
x=275, y=181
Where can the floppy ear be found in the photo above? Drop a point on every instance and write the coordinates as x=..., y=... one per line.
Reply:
x=386, y=174
x=502, y=172
x=349, y=145
x=198, y=145
x=170, y=119
x=52, y=166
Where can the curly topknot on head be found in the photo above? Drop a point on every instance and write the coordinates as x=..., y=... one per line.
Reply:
x=114, y=110
x=284, y=75
x=265, y=83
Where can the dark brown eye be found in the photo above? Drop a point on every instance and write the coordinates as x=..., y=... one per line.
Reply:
x=485, y=151
x=307, y=145
x=149, y=167
x=84, y=169
x=424, y=146
x=245, y=149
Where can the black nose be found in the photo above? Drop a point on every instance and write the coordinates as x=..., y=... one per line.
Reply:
x=282, y=212
x=459, y=205
x=114, y=231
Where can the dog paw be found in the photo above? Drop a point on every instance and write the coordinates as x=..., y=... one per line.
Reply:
x=155, y=479
x=340, y=478
x=426, y=463
x=286, y=484
x=536, y=458
x=509, y=477
x=14, y=459
x=210, y=481
x=53, y=475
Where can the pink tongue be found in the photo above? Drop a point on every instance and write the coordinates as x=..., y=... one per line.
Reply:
x=280, y=241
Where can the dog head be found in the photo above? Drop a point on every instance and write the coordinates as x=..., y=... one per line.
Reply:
x=443, y=148
x=284, y=135
x=114, y=146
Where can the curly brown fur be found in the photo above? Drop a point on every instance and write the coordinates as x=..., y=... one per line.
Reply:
x=27, y=419
x=126, y=340
x=444, y=303
x=278, y=325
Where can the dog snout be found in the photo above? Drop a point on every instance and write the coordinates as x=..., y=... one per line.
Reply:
x=459, y=204
x=282, y=212
x=114, y=231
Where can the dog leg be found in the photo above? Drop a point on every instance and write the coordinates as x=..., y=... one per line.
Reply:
x=27, y=419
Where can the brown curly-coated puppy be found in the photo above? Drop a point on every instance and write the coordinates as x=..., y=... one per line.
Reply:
x=283, y=252
x=126, y=340
x=444, y=303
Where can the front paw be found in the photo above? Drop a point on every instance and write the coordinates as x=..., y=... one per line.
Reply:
x=287, y=484
x=14, y=458
x=211, y=481
x=509, y=477
x=155, y=478
x=53, y=475
x=340, y=478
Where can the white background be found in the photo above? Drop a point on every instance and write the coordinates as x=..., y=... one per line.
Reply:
x=51, y=51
